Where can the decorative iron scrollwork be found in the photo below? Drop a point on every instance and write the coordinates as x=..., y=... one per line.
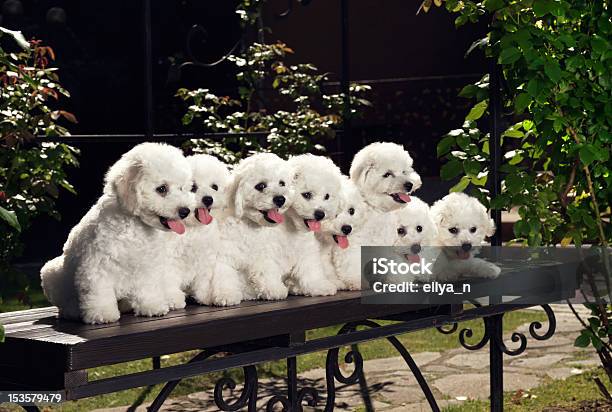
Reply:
x=516, y=337
x=248, y=395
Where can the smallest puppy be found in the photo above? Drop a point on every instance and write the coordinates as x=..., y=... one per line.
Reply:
x=463, y=223
x=340, y=257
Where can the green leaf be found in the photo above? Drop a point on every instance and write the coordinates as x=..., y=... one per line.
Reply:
x=477, y=111
x=468, y=91
x=588, y=154
x=553, y=70
x=599, y=44
x=582, y=341
x=541, y=7
x=1, y=334
x=492, y=5
x=534, y=87
x=514, y=183
x=10, y=218
x=451, y=169
x=445, y=145
x=521, y=102
x=527, y=124
x=471, y=167
x=461, y=185
x=509, y=55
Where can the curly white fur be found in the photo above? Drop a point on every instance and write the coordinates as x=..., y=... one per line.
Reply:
x=252, y=254
x=196, y=251
x=463, y=223
x=317, y=183
x=336, y=241
x=120, y=247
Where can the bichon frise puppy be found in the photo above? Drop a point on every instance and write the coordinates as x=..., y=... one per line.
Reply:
x=383, y=172
x=196, y=252
x=317, y=183
x=252, y=255
x=416, y=234
x=337, y=250
x=119, y=248
x=463, y=223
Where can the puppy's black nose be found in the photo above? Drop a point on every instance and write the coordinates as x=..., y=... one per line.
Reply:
x=466, y=247
x=416, y=248
x=408, y=186
x=183, y=212
x=208, y=201
x=319, y=214
x=346, y=229
x=279, y=200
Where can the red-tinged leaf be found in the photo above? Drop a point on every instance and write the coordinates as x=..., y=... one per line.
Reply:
x=69, y=116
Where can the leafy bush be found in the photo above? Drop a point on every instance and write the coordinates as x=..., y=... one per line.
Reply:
x=555, y=59
x=306, y=117
x=31, y=173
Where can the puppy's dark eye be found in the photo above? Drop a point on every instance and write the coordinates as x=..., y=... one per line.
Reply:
x=419, y=228
x=281, y=183
x=473, y=229
x=162, y=190
x=214, y=187
x=326, y=196
x=260, y=186
x=307, y=195
x=194, y=188
x=351, y=211
x=453, y=230
x=401, y=231
x=388, y=174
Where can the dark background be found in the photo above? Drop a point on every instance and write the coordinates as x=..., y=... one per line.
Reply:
x=415, y=65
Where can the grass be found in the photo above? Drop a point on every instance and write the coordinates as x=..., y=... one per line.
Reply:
x=559, y=393
x=425, y=340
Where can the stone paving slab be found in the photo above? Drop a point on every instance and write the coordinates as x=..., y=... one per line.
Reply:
x=454, y=375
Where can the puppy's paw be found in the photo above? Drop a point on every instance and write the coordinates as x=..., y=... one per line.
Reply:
x=176, y=300
x=226, y=297
x=151, y=309
x=202, y=296
x=321, y=288
x=490, y=271
x=274, y=291
x=101, y=314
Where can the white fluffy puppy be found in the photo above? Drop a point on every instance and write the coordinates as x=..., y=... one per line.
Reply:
x=252, y=256
x=463, y=223
x=383, y=172
x=196, y=252
x=416, y=234
x=334, y=237
x=317, y=183
x=120, y=247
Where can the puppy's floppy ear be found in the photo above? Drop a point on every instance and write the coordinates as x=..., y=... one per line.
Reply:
x=490, y=228
x=362, y=163
x=235, y=199
x=122, y=180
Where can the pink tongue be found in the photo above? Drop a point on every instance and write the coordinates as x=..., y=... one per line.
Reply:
x=176, y=226
x=275, y=216
x=414, y=258
x=313, y=225
x=203, y=216
x=342, y=242
x=463, y=255
x=404, y=197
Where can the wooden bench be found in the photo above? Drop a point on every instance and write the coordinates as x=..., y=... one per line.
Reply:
x=42, y=352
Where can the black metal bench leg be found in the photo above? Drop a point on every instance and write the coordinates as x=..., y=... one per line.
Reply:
x=496, y=363
x=292, y=384
x=363, y=387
